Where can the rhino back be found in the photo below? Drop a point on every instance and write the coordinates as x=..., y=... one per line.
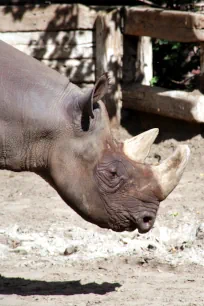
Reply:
x=27, y=87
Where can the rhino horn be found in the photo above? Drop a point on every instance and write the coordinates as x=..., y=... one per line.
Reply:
x=137, y=148
x=169, y=172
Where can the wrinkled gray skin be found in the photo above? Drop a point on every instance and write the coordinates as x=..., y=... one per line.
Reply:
x=50, y=127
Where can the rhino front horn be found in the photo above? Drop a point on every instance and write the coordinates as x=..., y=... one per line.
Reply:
x=169, y=172
x=137, y=148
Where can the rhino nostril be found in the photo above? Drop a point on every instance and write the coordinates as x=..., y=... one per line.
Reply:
x=147, y=219
x=145, y=222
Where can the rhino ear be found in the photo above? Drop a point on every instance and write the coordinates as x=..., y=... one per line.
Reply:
x=92, y=96
x=100, y=88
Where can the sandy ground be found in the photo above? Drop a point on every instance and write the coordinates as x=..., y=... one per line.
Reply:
x=50, y=256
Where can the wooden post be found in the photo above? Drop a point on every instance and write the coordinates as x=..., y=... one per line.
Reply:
x=109, y=50
x=202, y=67
x=144, y=70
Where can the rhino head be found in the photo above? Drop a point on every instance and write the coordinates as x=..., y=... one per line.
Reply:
x=104, y=181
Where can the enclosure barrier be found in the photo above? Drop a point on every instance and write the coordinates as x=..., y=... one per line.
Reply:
x=143, y=22
x=82, y=43
x=164, y=24
x=174, y=26
x=60, y=35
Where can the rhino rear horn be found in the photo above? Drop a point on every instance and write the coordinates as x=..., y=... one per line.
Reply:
x=137, y=148
x=95, y=94
x=169, y=172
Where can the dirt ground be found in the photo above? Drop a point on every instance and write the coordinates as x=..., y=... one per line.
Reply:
x=50, y=256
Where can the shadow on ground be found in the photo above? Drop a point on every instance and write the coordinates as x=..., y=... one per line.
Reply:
x=24, y=287
x=136, y=122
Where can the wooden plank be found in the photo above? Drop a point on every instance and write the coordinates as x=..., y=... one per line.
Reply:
x=164, y=24
x=48, y=17
x=52, y=45
x=109, y=50
x=57, y=52
x=78, y=71
x=177, y=104
x=43, y=38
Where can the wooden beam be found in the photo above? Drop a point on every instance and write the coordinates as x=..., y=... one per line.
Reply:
x=176, y=104
x=43, y=38
x=109, y=50
x=57, y=52
x=164, y=24
x=52, y=45
x=50, y=17
x=78, y=71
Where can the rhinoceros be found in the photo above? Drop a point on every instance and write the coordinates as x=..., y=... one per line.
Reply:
x=51, y=127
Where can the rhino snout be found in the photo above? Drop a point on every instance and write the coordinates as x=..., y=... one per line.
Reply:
x=145, y=222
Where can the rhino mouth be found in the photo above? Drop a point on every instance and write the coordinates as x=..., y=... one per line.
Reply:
x=132, y=226
x=144, y=230
x=143, y=224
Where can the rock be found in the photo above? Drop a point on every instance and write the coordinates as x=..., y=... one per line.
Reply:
x=70, y=250
x=151, y=247
x=200, y=232
x=20, y=250
x=125, y=240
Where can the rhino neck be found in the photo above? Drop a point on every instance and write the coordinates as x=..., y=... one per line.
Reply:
x=23, y=149
x=29, y=109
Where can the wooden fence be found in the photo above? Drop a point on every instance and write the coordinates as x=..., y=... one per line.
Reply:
x=173, y=26
x=62, y=36
x=82, y=43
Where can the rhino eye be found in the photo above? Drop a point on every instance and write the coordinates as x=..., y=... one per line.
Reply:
x=113, y=173
x=110, y=177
